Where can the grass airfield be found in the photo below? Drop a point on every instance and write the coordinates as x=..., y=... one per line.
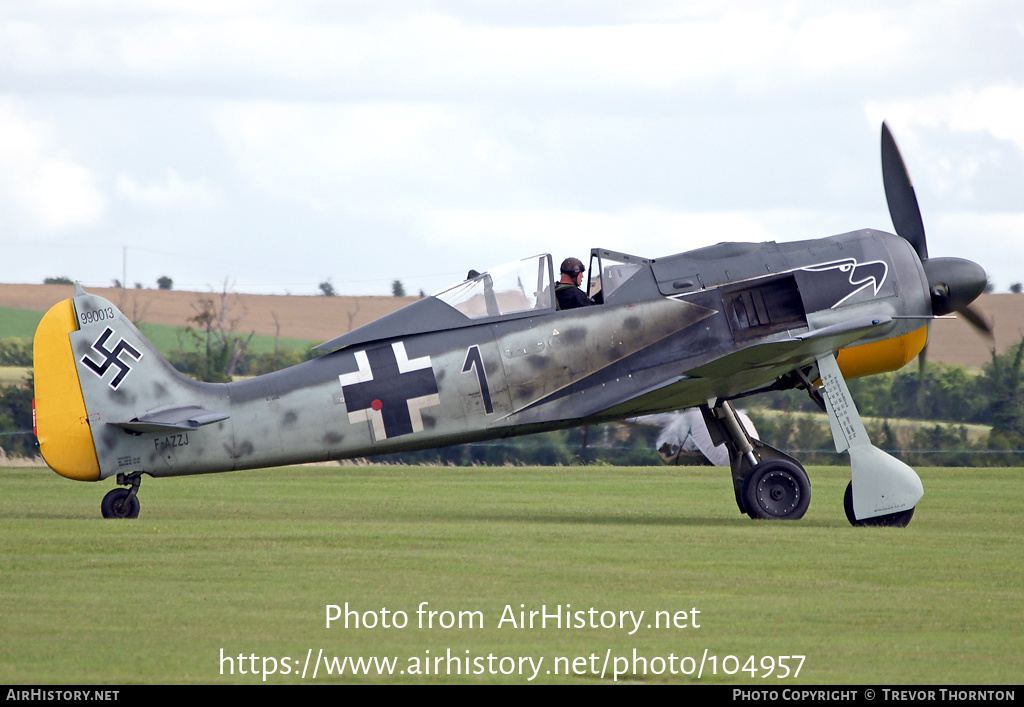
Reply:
x=246, y=564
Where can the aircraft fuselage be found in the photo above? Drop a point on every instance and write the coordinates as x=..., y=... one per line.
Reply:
x=674, y=332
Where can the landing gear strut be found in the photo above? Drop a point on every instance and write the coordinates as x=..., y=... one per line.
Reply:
x=768, y=483
x=123, y=503
x=883, y=490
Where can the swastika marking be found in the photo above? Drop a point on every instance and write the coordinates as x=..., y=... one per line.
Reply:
x=111, y=357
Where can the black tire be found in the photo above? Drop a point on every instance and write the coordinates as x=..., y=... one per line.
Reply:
x=892, y=520
x=777, y=490
x=116, y=505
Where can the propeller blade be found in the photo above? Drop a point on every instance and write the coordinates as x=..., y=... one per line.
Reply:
x=900, y=196
x=953, y=283
x=978, y=323
x=922, y=365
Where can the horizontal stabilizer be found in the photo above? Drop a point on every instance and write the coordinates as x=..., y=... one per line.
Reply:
x=189, y=417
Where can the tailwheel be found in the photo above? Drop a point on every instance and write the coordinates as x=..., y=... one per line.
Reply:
x=777, y=489
x=900, y=519
x=121, y=502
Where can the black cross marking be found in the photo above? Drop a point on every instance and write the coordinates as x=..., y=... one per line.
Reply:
x=389, y=390
x=111, y=357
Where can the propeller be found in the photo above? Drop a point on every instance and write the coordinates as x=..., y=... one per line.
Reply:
x=954, y=283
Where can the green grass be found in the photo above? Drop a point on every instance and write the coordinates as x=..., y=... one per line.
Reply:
x=248, y=562
x=18, y=323
x=167, y=338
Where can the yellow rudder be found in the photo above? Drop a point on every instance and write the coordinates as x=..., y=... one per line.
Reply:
x=61, y=421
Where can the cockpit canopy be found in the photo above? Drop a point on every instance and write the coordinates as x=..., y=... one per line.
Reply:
x=522, y=286
x=519, y=289
x=527, y=285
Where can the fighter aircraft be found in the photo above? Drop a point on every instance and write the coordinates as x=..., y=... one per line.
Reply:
x=494, y=356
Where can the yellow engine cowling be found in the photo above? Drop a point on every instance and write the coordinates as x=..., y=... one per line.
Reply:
x=881, y=356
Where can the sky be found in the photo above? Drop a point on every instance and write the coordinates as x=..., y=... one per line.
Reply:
x=268, y=147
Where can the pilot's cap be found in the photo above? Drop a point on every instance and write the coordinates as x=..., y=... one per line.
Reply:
x=572, y=266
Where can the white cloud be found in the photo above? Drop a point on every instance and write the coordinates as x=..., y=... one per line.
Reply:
x=356, y=156
x=756, y=47
x=939, y=137
x=995, y=109
x=40, y=180
x=494, y=129
x=646, y=232
x=992, y=240
x=172, y=192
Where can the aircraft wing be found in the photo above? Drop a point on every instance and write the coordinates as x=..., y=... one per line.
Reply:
x=745, y=370
x=794, y=349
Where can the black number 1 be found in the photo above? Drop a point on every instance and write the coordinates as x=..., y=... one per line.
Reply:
x=473, y=360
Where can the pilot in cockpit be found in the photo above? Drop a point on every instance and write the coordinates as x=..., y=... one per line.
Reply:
x=567, y=292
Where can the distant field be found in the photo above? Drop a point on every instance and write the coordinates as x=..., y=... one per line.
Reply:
x=19, y=323
x=303, y=318
x=247, y=563
x=13, y=375
x=167, y=338
x=903, y=429
x=22, y=323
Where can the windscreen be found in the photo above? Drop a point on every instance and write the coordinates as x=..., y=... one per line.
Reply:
x=514, y=287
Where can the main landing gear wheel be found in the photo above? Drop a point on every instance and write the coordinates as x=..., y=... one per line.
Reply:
x=777, y=489
x=120, y=503
x=892, y=520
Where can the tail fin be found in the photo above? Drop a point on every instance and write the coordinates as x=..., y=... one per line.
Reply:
x=97, y=377
x=60, y=420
